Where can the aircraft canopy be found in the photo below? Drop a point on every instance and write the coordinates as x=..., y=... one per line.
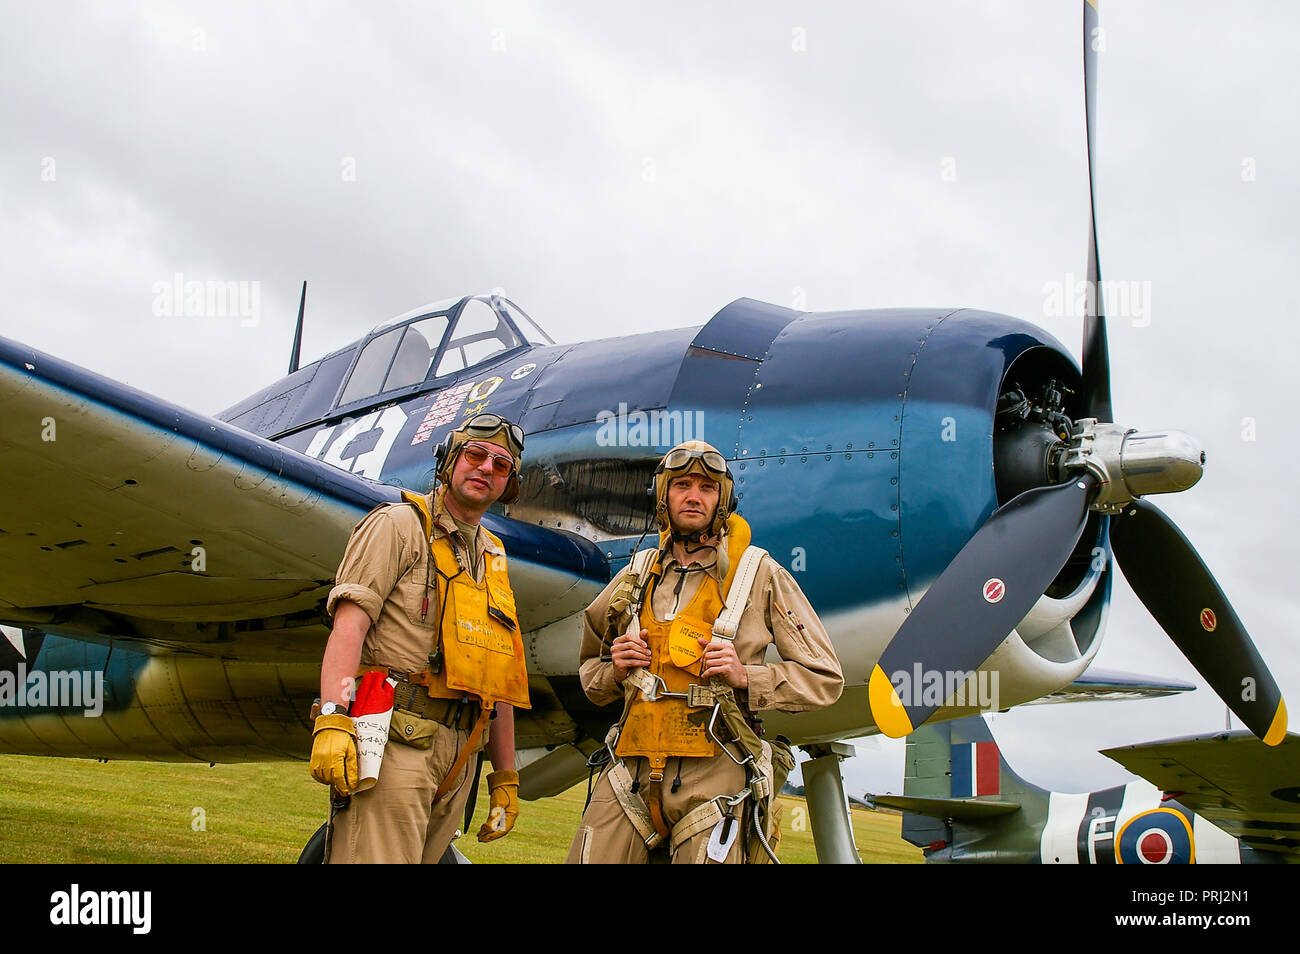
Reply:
x=436, y=340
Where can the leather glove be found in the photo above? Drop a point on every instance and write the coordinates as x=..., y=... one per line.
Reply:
x=334, y=753
x=504, y=805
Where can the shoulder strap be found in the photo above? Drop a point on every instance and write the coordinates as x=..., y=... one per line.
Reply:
x=640, y=565
x=728, y=620
x=641, y=561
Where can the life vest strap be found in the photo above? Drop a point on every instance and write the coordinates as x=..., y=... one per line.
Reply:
x=728, y=621
x=646, y=813
x=634, y=806
x=462, y=757
x=654, y=800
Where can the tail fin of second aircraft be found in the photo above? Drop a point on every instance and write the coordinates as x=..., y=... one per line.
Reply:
x=959, y=759
x=955, y=772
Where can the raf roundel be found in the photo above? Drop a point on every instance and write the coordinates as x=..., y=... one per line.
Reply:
x=994, y=590
x=1160, y=836
x=1155, y=847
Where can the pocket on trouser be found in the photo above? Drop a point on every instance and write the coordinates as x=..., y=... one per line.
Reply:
x=580, y=850
x=411, y=730
x=603, y=790
x=783, y=762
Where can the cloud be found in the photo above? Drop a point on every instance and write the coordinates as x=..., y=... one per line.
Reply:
x=617, y=171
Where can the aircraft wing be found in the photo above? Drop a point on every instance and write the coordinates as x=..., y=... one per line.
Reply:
x=944, y=808
x=1110, y=685
x=1249, y=789
x=124, y=515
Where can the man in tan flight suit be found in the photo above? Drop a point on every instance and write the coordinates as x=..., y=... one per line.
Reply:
x=422, y=593
x=675, y=774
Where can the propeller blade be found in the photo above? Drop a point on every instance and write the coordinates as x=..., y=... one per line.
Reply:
x=1180, y=592
x=978, y=599
x=1096, y=354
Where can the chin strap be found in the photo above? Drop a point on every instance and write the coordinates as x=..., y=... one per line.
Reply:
x=686, y=539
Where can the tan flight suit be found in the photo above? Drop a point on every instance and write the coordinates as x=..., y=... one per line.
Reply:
x=808, y=677
x=384, y=571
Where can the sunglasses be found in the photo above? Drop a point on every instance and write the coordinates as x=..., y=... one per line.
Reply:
x=679, y=458
x=503, y=465
x=488, y=424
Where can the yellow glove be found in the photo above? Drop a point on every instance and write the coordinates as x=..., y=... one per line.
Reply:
x=334, y=753
x=504, y=805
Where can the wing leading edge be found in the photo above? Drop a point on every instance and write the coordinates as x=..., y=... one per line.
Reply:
x=1249, y=789
x=124, y=514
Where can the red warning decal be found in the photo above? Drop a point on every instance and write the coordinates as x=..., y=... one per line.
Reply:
x=1208, y=620
x=994, y=590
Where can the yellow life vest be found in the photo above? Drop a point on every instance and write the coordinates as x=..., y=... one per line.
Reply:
x=482, y=648
x=668, y=727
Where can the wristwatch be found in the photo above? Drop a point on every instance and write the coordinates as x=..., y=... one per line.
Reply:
x=330, y=708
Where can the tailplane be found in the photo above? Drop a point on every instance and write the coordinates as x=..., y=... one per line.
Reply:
x=957, y=788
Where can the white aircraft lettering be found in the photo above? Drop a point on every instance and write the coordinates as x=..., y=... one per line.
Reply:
x=369, y=463
x=1101, y=827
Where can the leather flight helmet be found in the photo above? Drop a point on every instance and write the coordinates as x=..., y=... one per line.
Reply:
x=695, y=457
x=492, y=429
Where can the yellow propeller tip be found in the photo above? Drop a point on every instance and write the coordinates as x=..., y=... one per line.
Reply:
x=1277, y=730
x=886, y=708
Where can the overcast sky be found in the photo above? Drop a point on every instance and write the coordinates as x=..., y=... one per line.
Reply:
x=617, y=171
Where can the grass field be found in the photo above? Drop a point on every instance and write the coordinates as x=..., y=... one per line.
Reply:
x=77, y=810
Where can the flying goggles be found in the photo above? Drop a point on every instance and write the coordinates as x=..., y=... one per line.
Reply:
x=679, y=457
x=483, y=426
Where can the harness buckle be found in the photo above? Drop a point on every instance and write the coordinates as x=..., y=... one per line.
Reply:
x=713, y=719
x=700, y=696
x=659, y=689
x=736, y=799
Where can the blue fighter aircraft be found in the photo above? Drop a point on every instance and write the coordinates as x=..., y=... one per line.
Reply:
x=946, y=485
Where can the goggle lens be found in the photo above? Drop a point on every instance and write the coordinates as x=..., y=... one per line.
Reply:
x=713, y=461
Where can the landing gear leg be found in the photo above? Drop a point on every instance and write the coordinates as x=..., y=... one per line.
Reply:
x=828, y=810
